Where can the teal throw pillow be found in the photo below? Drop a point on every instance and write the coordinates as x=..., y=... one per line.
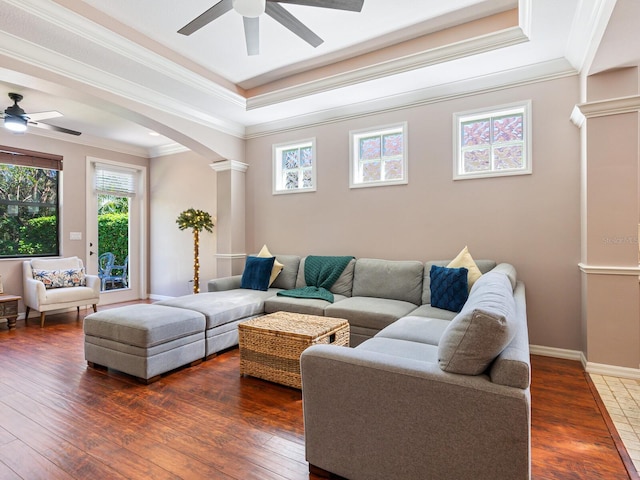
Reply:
x=257, y=273
x=449, y=287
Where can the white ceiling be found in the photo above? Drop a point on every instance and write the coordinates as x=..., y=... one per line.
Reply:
x=130, y=54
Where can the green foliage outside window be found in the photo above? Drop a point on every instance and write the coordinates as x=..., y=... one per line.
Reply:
x=113, y=235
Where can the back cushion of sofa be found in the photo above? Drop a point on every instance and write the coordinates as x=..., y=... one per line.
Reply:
x=56, y=263
x=287, y=278
x=343, y=285
x=392, y=279
x=483, y=265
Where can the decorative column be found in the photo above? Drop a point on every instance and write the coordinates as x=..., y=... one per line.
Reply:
x=610, y=219
x=230, y=182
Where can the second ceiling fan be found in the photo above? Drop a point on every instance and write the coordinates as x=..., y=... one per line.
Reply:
x=252, y=9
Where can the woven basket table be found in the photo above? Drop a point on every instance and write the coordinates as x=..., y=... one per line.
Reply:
x=271, y=345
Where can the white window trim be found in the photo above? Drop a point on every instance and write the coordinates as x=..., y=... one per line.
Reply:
x=354, y=156
x=277, y=166
x=459, y=117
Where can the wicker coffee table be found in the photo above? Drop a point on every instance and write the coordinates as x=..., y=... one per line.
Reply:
x=271, y=345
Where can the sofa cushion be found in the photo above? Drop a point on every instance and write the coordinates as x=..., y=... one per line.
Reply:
x=375, y=313
x=277, y=266
x=484, y=266
x=449, y=287
x=308, y=306
x=56, y=263
x=401, y=348
x=391, y=279
x=287, y=278
x=342, y=286
x=465, y=260
x=416, y=329
x=72, y=277
x=220, y=308
x=482, y=330
x=257, y=273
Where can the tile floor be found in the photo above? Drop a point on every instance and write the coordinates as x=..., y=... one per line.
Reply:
x=621, y=396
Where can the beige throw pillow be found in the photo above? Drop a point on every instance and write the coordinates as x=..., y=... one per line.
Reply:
x=464, y=259
x=277, y=266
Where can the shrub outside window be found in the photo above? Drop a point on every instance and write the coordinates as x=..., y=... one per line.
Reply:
x=294, y=167
x=378, y=156
x=29, y=212
x=494, y=142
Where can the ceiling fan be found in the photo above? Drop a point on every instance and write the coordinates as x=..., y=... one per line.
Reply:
x=16, y=120
x=252, y=9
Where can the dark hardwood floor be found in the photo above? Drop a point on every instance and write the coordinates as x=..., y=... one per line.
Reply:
x=60, y=420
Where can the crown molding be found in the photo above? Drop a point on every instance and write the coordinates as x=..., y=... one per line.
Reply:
x=169, y=149
x=72, y=22
x=541, y=72
x=614, y=106
x=465, y=48
x=226, y=165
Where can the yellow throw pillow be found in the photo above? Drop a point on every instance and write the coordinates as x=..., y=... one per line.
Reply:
x=277, y=266
x=464, y=259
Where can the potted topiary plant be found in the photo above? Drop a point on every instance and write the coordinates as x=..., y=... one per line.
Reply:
x=196, y=220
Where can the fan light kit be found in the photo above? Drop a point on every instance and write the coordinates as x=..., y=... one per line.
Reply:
x=16, y=120
x=251, y=10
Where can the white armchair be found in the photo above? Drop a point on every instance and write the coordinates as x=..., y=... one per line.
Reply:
x=43, y=299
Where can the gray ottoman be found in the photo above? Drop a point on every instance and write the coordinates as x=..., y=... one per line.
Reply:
x=144, y=340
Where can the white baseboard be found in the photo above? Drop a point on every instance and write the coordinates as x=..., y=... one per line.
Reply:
x=556, y=352
x=612, y=370
x=154, y=296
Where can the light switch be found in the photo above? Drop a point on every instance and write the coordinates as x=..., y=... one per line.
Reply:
x=75, y=236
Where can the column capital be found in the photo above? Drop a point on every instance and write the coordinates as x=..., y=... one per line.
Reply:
x=225, y=165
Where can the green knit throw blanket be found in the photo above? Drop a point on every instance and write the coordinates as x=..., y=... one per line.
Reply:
x=320, y=273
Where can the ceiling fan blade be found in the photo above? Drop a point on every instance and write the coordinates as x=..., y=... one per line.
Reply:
x=252, y=34
x=46, y=126
x=207, y=17
x=351, y=5
x=38, y=116
x=279, y=14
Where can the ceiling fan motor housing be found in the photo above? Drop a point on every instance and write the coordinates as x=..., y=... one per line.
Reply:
x=249, y=8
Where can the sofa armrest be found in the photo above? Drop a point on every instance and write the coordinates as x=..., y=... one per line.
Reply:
x=371, y=415
x=93, y=282
x=225, y=283
x=34, y=293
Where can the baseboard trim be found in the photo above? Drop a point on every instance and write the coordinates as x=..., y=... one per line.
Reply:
x=612, y=370
x=154, y=296
x=556, y=352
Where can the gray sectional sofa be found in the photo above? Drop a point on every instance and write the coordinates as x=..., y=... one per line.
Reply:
x=426, y=392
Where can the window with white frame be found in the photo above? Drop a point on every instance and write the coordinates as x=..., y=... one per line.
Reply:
x=493, y=142
x=294, y=167
x=378, y=156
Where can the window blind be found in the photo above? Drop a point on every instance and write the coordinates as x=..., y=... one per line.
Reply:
x=111, y=180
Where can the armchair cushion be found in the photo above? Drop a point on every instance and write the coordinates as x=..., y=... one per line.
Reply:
x=73, y=277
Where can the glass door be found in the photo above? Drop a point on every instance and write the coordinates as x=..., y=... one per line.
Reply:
x=115, y=229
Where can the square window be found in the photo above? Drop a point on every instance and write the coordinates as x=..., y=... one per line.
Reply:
x=493, y=142
x=378, y=156
x=294, y=167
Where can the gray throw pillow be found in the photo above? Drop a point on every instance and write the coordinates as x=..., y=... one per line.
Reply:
x=482, y=330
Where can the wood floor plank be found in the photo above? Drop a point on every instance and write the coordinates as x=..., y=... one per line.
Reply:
x=60, y=419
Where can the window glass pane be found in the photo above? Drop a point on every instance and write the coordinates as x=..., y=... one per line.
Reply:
x=477, y=160
x=307, y=179
x=291, y=180
x=476, y=132
x=371, y=171
x=507, y=128
x=306, y=156
x=393, y=169
x=370, y=148
x=508, y=157
x=28, y=211
x=291, y=158
x=392, y=144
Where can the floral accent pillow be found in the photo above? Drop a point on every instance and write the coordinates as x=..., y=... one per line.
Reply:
x=72, y=277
